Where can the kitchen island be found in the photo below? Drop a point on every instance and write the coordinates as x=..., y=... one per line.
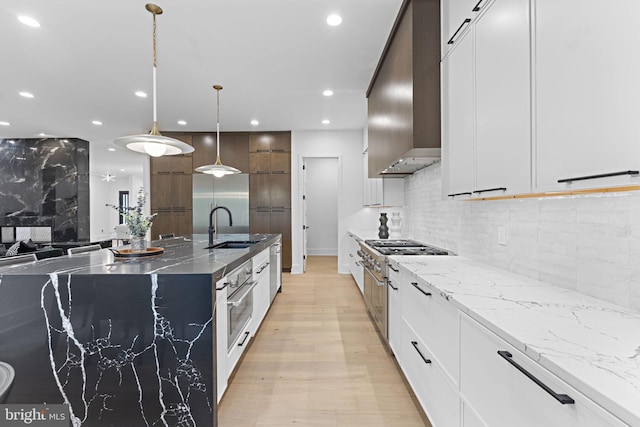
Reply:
x=123, y=341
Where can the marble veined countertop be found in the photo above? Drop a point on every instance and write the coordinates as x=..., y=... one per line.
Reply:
x=591, y=344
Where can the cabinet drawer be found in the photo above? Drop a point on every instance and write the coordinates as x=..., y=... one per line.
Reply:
x=502, y=395
x=430, y=384
x=435, y=320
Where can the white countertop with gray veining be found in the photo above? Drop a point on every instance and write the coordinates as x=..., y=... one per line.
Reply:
x=591, y=344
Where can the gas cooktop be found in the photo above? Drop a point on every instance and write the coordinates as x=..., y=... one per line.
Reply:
x=404, y=247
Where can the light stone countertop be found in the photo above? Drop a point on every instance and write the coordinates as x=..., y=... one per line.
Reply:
x=591, y=344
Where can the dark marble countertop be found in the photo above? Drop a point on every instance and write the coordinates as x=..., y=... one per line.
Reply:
x=182, y=255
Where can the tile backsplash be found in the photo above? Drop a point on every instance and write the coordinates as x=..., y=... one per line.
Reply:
x=588, y=243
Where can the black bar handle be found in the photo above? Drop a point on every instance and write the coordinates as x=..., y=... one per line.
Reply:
x=223, y=286
x=278, y=172
x=602, y=175
x=476, y=8
x=263, y=172
x=277, y=150
x=415, y=285
x=415, y=345
x=392, y=287
x=246, y=336
x=562, y=398
x=491, y=189
x=465, y=22
x=391, y=267
x=467, y=193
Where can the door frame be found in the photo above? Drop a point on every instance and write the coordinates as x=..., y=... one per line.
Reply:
x=300, y=202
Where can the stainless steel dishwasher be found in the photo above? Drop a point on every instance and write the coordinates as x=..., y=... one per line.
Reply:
x=275, y=272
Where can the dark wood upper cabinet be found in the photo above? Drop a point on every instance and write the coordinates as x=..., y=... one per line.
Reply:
x=234, y=149
x=270, y=142
x=280, y=190
x=259, y=191
x=260, y=162
x=404, y=93
x=280, y=162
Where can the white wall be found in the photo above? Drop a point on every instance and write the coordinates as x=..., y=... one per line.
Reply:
x=322, y=205
x=345, y=145
x=588, y=243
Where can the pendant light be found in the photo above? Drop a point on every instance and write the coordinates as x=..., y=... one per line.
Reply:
x=154, y=143
x=218, y=169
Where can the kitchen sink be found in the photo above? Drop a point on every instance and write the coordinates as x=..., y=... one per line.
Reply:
x=233, y=244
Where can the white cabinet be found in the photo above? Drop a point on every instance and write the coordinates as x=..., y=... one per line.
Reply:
x=502, y=395
x=394, y=310
x=435, y=320
x=432, y=387
x=380, y=191
x=587, y=93
x=457, y=16
x=355, y=266
x=261, y=292
x=486, y=104
x=221, y=337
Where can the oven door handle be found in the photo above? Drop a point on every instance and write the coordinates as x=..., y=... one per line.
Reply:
x=239, y=296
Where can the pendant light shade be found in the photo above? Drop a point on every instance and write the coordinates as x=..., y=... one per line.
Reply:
x=218, y=169
x=154, y=143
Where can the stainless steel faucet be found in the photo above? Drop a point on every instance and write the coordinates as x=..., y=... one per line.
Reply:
x=211, y=229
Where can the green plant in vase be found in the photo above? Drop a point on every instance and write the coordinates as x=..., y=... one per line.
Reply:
x=137, y=222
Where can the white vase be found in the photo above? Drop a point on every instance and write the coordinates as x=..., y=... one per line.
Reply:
x=395, y=230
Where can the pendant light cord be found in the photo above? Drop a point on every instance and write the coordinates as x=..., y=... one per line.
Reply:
x=155, y=66
x=217, y=88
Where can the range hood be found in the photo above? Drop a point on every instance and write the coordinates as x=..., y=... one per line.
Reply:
x=411, y=162
x=403, y=99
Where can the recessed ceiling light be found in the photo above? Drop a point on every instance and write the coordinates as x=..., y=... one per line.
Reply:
x=121, y=170
x=328, y=92
x=112, y=149
x=27, y=20
x=255, y=122
x=26, y=94
x=334, y=20
x=182, y=122
x=141, y=94
x=42, y=134
x=5, y=124
x=326, y=122
x=97, y=122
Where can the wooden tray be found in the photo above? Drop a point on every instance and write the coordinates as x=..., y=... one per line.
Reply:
x=126, y=253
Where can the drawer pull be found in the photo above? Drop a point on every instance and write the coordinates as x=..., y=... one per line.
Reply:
x=392, y=287
x=415, y=285
x=415, y=345
x=468, y=193
x=246, y=335
x=562, y=398
x=391, y=267
x=476, y=8
x=602, y=175
x=223, y=286
x=465, y=22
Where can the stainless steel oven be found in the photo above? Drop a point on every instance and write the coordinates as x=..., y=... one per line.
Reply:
x=374, y=260
x=239, y=302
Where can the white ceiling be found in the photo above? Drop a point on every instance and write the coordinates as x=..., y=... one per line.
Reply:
x=273, y=57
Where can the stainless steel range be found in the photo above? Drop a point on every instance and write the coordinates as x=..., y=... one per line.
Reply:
x=374, y=260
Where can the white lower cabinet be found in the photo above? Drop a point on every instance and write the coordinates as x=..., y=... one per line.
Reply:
x=502, y=395
x=355, y=267
x=470, y=418
x=433, y=388
x=394, y=309
x=261, y=292
x=435, y=320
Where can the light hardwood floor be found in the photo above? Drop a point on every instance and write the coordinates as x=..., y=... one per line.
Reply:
x=318, y=361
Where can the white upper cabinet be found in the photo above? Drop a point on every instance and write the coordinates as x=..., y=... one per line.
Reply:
x=456, y=17
x=587, y=93
x=458, y=118
x=487, y=104
x=503, y=101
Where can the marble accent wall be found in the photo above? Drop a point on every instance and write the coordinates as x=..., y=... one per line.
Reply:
x=588, y=243
x=45, y=182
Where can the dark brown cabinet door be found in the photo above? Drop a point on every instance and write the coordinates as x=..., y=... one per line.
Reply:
x=259, y=191
x=182, y=222
x=280, y=162
x=260, y=143
x=181, y=164
x=162, y=164
x=160, y=195
x=280, y=190
x=182, y=191
x=259, y=220
x=281, y=142
x=259, y=163
x=234, y=150
x=281, y=223
x=162, y=224
x=204, y=146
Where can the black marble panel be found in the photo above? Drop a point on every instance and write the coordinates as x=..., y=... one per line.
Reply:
x=122, y=350
x=45, y=182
